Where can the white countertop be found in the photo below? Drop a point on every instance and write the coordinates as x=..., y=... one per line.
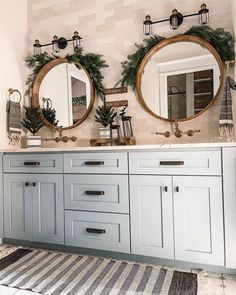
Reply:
x=121, y=148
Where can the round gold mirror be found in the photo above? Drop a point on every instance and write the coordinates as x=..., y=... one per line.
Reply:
x=179, y=78
x=66, y=90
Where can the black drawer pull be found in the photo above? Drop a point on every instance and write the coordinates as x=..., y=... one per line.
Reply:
x=31, y=163
x=95, y=231
x=34, y=184
x=171, y=163
x=94, y=193
x=94, y=163
x=26, y=184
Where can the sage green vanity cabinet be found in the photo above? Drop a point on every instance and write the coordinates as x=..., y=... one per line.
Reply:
x=33, y=207
x=165, y=203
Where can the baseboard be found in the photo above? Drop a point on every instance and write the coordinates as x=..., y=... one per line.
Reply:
x=132, y=257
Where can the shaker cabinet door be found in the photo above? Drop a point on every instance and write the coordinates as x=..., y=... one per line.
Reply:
x=229, y=183
x=198, y=214
x=17, y=206
x=151, y=216
x=48, y=211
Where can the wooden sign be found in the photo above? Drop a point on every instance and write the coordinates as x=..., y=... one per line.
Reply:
x=116, y=90
x=117, y=103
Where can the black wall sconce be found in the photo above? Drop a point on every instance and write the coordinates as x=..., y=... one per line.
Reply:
x=176, y=19
x=58, y=43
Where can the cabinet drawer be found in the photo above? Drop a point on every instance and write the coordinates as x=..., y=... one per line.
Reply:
x=33, y=163
x=107, y=193
x=103, y=231
x=182, y=162
x=96, y=163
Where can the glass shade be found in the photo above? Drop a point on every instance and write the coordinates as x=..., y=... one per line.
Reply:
x=174, y=20
x=37, y=47
x=76, y=41
x=203, y=15
x=147, y=26
x=55, y=47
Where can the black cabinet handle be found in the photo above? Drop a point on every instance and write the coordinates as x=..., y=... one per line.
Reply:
x=171, y=163
x=95, y=231
x=26, y=184
x=31, y=163
x=166, y=189
x=177, y=189
x=94, y=163
x=94, y=193
x=34, y=184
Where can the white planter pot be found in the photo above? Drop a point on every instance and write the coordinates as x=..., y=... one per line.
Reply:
x=104, y=132
x=33, y=141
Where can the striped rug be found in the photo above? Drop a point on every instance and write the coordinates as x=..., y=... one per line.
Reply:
x=56, y=273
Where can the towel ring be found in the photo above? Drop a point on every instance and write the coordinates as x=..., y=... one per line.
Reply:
x=11, y=91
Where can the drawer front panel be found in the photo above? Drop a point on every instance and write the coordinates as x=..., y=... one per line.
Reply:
x=33, y=163
x=176, y=162
x=96, y=163
x=103, y=231
x=107, y=193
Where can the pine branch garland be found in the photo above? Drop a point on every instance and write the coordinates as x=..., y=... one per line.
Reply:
x=221, y=40
x=93, y=63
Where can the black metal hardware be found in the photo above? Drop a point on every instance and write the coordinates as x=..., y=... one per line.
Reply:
x=94, y=193
x=177, y=189
x=171, y=163
x=34, y=184
x=26, y=184
x=95, y=231
x=166, y=189
x=31, y=163
x=94, y=163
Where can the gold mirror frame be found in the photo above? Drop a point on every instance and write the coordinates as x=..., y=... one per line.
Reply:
x=164, y=43
x=36, y=87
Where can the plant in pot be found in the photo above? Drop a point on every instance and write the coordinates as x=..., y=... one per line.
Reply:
x=33, y=122
x=105, y=115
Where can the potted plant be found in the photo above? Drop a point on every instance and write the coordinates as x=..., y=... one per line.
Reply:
x=105, y=115
x=33, y=122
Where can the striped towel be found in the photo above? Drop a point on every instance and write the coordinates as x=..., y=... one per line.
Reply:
x=226, y=114
x=14, y=117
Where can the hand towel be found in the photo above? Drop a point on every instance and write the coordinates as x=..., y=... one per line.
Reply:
x=14, y=117
x=226, y=114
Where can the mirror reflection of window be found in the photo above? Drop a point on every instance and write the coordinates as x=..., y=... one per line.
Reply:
x=176, y=86
x=189, y=94
x=180, y=80
x=69, y=90
x=78, y=99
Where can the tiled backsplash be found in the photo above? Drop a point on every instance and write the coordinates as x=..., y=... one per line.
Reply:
x=111, y=28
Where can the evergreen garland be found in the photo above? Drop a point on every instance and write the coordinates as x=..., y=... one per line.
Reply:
x=36, y=63
x=221, y=40
x=93, y=63
x=33, y=120
x=130, y=66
